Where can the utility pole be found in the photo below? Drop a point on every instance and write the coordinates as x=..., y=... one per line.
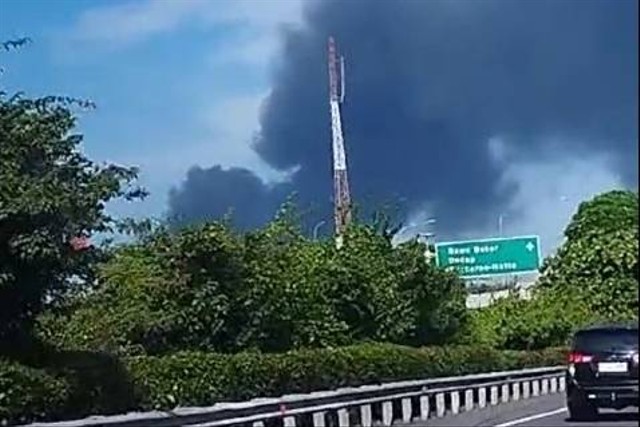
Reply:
x=507, y=280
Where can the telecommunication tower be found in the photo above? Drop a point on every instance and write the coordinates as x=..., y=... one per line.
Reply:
x=341, y=194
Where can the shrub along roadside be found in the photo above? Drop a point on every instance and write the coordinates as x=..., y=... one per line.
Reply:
x=198, y=378
x=28, y=393
x=194, y=379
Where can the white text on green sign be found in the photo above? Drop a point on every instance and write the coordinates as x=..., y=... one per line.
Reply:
x=490, y=257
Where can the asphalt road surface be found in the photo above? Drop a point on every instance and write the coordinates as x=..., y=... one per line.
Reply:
x=545, y=411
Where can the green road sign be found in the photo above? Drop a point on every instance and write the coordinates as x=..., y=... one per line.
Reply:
x=490, y=257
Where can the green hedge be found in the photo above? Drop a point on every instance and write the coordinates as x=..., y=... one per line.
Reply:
x=200, y=378
x=27, y=393
x=197, y=378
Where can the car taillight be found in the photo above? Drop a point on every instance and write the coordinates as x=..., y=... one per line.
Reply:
x=576, y=357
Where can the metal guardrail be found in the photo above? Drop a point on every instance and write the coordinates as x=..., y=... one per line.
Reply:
x=386, y=404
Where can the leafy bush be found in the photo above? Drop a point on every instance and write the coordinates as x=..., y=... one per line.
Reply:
x=288, y=292
x=175, y=292
x=519, y=324
x=207, y=288
x=27, y=394
x=96, y=382
x=436, y=298
x=194, y=378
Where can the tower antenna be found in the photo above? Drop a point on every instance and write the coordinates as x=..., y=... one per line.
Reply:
x=341, y=193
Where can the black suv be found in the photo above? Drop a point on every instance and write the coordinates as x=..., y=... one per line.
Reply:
x=602, y=370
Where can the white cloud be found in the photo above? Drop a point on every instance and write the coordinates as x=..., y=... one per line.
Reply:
x=257, y=21
x=253, y=51
x=125, y=23
x=260, y=13
x=263, y=22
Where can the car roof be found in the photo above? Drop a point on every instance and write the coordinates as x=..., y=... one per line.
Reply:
x=632, y=325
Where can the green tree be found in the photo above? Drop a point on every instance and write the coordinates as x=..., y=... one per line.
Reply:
x=605, y=214
x=52, y=198
x=437, y=298
x=171, y=291
x=366, y=290
x=288, y=294
x=598, y=263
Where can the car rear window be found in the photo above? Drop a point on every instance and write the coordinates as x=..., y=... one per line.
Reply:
x=606, y=340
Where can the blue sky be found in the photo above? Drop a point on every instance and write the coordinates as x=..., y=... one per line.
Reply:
x=177, y=82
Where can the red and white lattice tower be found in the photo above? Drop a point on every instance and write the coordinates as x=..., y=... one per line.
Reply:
x=342, y=196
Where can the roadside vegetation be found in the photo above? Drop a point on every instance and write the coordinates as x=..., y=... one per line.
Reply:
x=208, y=313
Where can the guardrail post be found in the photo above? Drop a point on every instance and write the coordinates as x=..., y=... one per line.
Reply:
x=554, y=385
x=482, y=397
x=455, y=402
x=318, y=419
x=440, y=408
x=365, y=416
x=505, y=393
x=535, y=388
x=544, y=386
x=289, y=422
x=526, y=389
x=387, y=413
x=406, y=410
x=258, y=424
x=562, y=384
x=343, y=417
x=424, y=407
x=494, y=395
x=468, y=400
x=515, y=391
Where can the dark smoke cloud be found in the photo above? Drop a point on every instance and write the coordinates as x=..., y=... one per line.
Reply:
x=428, y=83
x=212, y=193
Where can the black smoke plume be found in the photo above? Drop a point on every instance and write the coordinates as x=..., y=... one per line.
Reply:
x=428, y=84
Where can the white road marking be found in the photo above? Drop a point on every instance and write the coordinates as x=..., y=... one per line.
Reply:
x=531, y=418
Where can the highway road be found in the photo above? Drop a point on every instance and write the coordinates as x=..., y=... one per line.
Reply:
x=545, y=411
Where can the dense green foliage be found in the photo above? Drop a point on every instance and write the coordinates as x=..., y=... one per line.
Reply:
x=27, y=393
x=605, y=214
x=593, y=277
x=50, y=193
x=207, y=288
x=598, y=264
x=203, y=378
x=199, y=378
